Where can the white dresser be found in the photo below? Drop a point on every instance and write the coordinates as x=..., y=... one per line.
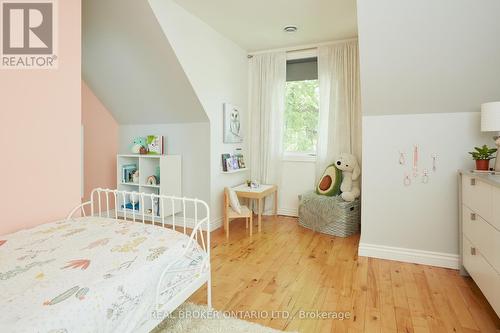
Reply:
x=480, y=232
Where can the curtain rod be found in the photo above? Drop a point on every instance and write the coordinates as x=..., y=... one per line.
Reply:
x=303, y=47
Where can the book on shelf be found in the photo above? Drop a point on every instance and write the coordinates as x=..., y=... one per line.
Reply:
x=155, y=144
x=225, y=158
x=241, y=161
x=233, y=162
x=238, y=155
x=127, y=172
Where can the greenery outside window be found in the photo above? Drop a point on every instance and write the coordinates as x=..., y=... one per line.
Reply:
x=301, y=109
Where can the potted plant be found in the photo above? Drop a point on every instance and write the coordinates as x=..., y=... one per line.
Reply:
x=482, y=156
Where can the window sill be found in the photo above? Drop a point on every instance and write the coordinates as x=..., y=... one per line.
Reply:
x=299, y=158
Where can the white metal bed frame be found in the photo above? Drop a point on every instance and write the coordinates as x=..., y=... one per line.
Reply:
x=100, y=195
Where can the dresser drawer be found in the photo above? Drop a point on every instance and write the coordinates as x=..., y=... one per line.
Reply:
x=477, y=195
x=495, y=219
x=483, y=274
x=483, y=236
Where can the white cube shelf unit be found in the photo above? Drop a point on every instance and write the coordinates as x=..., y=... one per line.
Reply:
x=170, y=172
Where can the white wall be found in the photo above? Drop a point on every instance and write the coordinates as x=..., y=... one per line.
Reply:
x=416, y=57
x=419, y=216
x=190, y=140
x=218, y=71
x=297, y=178
x=427, y=56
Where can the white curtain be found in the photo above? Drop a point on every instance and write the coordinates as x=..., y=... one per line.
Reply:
x=267, y=106
x=340, y=103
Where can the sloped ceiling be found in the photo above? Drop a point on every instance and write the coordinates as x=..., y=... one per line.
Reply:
x=130, y=65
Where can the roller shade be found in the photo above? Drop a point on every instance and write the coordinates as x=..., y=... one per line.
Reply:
x=302, y=69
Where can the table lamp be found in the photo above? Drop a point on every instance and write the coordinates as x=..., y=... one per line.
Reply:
x=490, y=122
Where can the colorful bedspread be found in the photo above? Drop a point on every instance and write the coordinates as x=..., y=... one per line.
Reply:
x=89, y=275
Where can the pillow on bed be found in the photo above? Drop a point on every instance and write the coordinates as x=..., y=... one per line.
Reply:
x=233, y=201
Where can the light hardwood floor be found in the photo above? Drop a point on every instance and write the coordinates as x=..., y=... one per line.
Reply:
x=287, y=267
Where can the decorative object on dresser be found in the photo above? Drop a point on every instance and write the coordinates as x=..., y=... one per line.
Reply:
x=479, y=195
x=490, y=122
x=482, y=156
x=156, y=174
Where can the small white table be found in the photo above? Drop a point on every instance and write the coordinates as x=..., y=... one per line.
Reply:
x=259, y=193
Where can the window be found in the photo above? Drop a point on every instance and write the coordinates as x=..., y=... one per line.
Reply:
x=301, y=108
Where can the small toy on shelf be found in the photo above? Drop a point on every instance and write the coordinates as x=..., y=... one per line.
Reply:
x=127, y=172
x=152, y=180
x=134, y=198
x=135, y=177
x=133, y=203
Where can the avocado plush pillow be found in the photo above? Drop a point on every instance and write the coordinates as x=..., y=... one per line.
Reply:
x=329, y=183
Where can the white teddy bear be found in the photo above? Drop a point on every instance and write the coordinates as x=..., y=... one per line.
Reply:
x=349, y=166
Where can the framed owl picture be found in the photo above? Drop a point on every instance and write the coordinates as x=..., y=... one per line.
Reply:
x=233, y=127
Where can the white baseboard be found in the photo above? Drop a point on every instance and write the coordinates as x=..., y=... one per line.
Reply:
x=438, y=259
x=288, y=212
x=215, y=223
x=281, y=211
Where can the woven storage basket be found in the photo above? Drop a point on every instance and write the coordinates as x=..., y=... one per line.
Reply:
x=329, y=215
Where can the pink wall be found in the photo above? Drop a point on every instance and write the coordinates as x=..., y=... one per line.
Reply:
x=40, y=119
x=100, y=143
